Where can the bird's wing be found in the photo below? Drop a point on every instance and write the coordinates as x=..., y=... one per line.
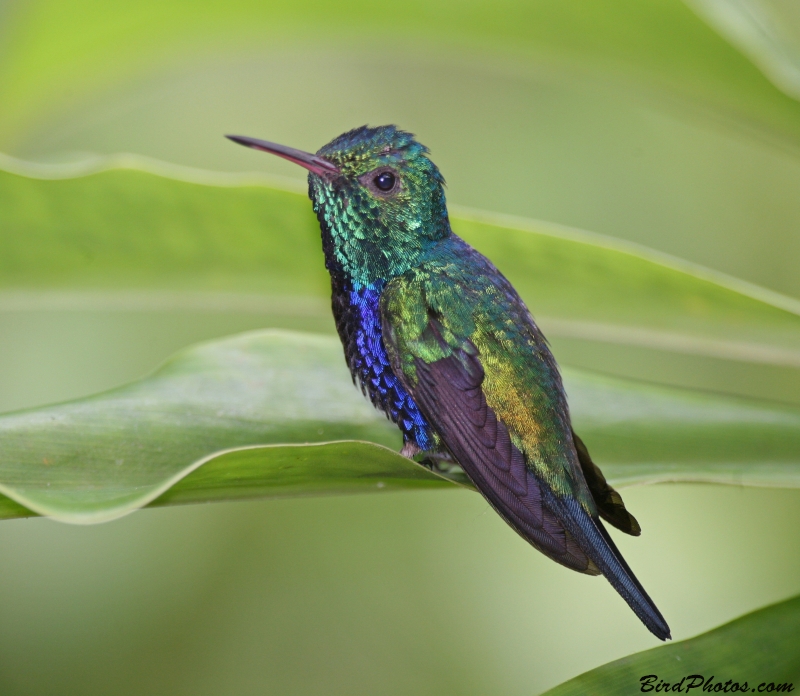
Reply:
x=459, y=365
x=468, y=351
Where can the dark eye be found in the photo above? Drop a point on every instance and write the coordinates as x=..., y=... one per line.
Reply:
x=385, y=181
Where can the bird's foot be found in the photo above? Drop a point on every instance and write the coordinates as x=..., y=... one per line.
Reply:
x=436, y=461
x=410, y=450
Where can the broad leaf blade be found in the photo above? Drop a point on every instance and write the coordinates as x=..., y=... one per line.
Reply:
x=768, y=31
x=275, y=471
x=253, y=416
x=592, y=287
x=99, y=458
x=759, y=648
x=644, y=433
x=145, y=230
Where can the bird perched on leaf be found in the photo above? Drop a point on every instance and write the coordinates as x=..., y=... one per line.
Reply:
x=443, y=344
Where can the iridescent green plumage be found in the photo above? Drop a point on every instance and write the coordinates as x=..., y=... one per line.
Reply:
x=476, y=309
x=374, y=236
x=441, y=341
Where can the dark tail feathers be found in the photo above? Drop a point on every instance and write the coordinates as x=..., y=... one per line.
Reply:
x=593, y=538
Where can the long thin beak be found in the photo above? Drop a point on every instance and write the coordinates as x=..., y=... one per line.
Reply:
x=313, y=163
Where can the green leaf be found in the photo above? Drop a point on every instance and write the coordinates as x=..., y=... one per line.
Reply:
x=630, y=118
x=766, y=30
x=588, y=286
x=101, y=238
x=236, y=418
x=258, y=246
x=129, y=228
x=97, y=459
x=761, y=648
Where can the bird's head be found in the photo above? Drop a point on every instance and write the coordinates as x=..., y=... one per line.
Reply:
x=379, y=199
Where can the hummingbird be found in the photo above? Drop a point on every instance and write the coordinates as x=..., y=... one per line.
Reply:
x=441, y=342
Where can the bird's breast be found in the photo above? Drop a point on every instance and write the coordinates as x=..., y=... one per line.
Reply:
x=356, y=310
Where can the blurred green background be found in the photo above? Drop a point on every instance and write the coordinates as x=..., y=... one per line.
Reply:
x=633, y=118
